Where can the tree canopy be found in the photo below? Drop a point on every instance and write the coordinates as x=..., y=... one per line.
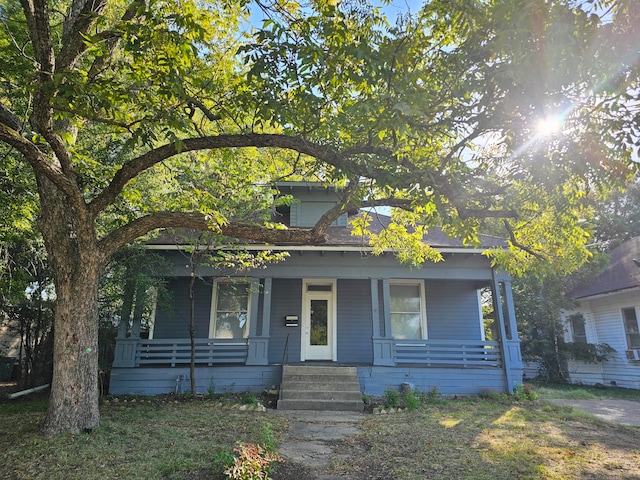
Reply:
x=134, y=116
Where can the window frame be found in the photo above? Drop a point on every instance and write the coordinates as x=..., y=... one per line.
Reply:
x=424, y=335
x=624, y=326
x=214, y=307
x=572, y=329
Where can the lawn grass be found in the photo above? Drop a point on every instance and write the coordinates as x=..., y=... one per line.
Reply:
x=487, y=439
x=548, y=391
x=465, y=438
x=135, y=440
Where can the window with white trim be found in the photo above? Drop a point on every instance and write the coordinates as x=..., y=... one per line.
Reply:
x=578, y=330
x=230, y=309
x=631, y=329
x=408, y=313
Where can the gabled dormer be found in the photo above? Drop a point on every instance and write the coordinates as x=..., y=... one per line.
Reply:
x=311, y=201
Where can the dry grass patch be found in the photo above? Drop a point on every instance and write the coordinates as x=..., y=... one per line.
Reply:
x=146, y=441
x=481, y=439
x=455, y=439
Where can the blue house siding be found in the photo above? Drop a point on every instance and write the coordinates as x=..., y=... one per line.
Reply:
x=452, y=310
x=355, y=327
x=174, y=322
x=356, y=265
x=374, y=380
x=286, y=299
x=225, y=379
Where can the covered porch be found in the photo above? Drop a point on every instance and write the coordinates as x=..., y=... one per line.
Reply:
x=453, y=365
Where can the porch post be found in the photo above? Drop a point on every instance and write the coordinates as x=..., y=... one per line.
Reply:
x=266, y=307
x=257, y=344
x=497, y=307
x=382, y=344
x=513, y=344
x=125, y=353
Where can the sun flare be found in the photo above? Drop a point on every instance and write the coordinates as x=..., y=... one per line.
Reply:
x=549, y=125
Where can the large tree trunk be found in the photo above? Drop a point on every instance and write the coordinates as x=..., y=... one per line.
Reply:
x=73, y=405
x=76, y=265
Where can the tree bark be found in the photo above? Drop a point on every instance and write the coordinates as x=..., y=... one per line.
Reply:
x=73, y=404
x=76, y=265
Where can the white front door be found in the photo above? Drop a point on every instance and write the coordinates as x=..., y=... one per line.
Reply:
x=318, y=321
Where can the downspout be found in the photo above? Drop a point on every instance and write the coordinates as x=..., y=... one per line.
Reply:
x=497, y=307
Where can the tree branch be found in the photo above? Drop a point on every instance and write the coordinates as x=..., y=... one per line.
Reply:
x=83, y=15
x=38, y=160
x=112, y=39
x=333, y=213
x=197, y=221
x=517, y=244
x=194, y=102
x=9, y=119
x=37, y=14
x=138, y=165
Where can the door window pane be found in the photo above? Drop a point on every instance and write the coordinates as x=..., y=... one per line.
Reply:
x=319, y=323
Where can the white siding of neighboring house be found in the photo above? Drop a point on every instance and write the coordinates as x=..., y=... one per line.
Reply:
x=9, y=342
x=581, y=372
x=604, y=316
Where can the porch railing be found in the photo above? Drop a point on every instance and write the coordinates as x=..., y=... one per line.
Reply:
x=464, y=353
x=136, y=352
x=174, y=352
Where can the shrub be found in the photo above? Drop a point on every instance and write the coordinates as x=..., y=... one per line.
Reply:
x=411, y=399
x=391, y=398
x=524, y=392
x=431, y=396
x=251, y=462
x=248, y=398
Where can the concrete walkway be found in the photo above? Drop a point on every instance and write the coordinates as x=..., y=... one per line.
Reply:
x=311, y=434
x=625, y=412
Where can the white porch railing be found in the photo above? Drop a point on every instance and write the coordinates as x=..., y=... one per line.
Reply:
x=459, y=353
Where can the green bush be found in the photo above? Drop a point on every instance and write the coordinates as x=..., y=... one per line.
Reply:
x=391, y=398
x=524, y=392
x=248, y=398
x=411, y=399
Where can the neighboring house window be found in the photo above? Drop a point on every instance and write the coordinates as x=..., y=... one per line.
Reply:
x=408, y=315
x=631, y=327
x=578, y=332
x=230, y=312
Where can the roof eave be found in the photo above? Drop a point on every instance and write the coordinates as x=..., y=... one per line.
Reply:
x=317, y=248
x=596, y=296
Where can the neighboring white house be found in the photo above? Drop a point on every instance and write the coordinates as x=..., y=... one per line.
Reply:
x=609, y=312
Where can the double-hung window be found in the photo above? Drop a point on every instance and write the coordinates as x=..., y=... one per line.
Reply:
x=631, y=329
x=578, y=330
x=408, y=313
x=230, y=310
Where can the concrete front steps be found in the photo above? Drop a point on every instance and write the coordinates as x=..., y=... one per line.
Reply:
x=306, y=387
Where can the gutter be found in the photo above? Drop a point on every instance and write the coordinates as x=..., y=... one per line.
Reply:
x=313, y=248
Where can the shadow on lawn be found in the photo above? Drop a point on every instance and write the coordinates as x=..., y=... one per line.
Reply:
x=483, y=439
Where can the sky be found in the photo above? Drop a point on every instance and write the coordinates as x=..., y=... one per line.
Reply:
x=392, y=9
